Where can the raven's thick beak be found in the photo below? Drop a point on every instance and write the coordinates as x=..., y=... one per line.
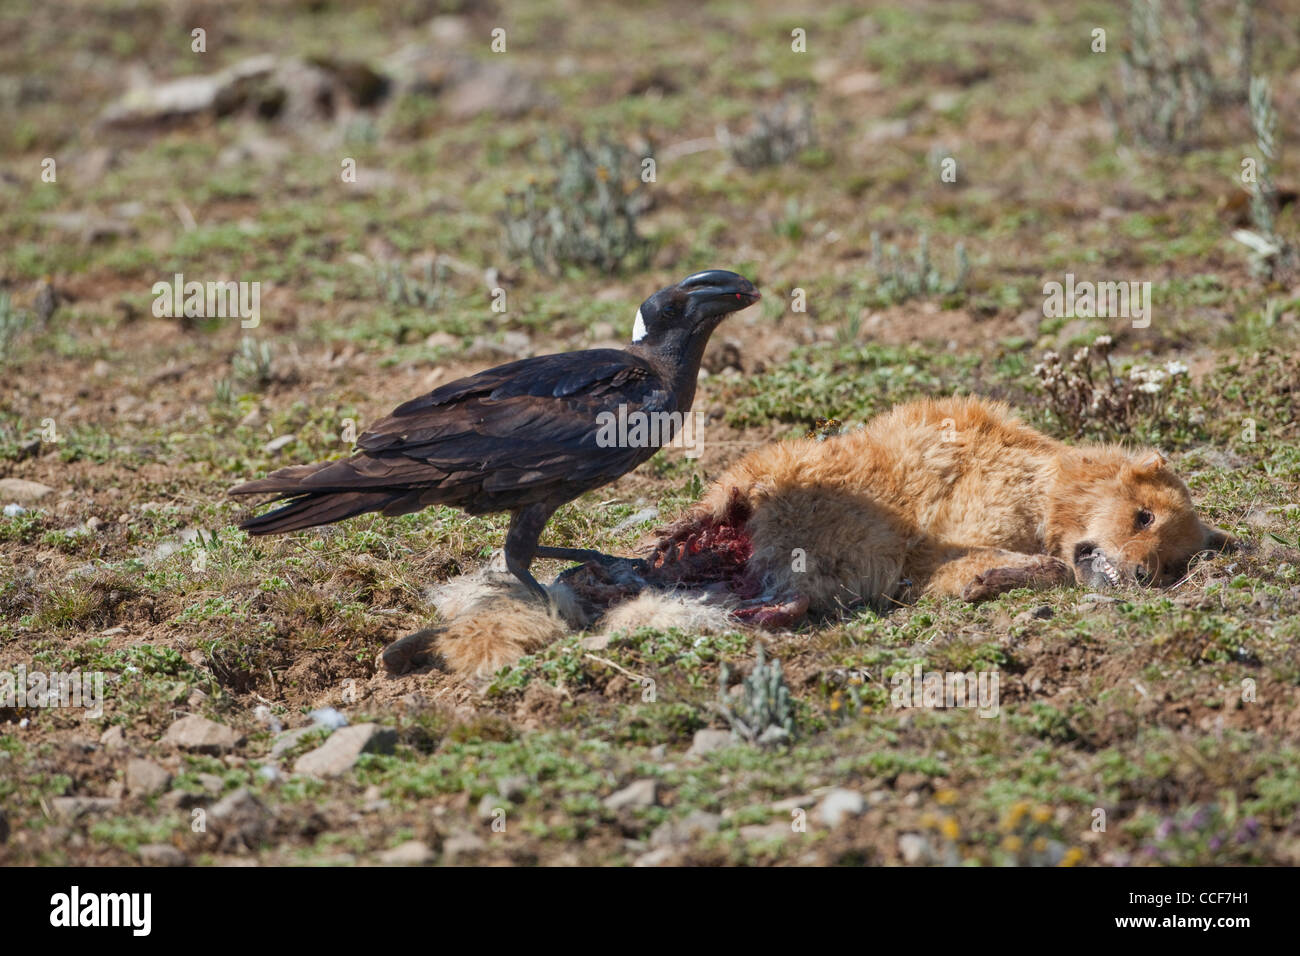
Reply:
x=719, y=292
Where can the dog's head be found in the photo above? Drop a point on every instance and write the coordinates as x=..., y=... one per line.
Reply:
x=1132, y=522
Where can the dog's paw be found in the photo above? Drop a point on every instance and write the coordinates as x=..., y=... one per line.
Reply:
x=1042, y=571
x=410, y=652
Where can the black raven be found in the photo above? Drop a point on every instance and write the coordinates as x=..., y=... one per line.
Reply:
x=525, y=437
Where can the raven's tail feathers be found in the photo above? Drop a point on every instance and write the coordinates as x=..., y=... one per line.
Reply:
x=320, y=508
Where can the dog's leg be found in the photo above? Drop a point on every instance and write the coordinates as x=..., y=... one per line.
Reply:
x=982, y=573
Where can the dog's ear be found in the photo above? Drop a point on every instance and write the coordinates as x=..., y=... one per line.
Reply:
x=1216, y=539
x=1148, y=463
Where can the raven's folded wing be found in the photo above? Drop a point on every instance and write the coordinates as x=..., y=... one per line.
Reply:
x=525, y=426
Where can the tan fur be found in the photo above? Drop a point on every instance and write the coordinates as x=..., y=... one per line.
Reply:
x=934, y=497
x=695, y=615
x=947, y=497
x=491, y=620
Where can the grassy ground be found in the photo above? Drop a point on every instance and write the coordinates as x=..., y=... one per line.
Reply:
x=1127, y=710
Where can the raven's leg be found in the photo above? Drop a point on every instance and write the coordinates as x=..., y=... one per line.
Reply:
x=526, y=526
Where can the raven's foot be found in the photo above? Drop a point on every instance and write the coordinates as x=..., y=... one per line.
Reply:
x=581, y=555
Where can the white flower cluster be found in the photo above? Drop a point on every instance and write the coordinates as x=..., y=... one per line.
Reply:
x=1049, y=369
x=1151, y=380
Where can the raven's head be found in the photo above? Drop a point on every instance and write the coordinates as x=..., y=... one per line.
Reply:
x=695, y=305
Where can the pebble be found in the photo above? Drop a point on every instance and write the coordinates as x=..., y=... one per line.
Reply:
x=69, y=808
x=240, y=820
x=913, y=847
x=708, y=740
x=410, y=853
x=642, y=793
x=345, y=746
x=162, y=854
x=840, y=804
x=144, y=778
x=275, y=444
x=679, y=832
x=201, y=735
x=462, y=844
x=22, y=491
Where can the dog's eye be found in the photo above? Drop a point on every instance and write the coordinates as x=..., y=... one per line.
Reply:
x=1144, y=518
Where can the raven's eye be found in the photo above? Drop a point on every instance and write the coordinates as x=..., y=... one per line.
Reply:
x=1144, y=518
x=669, y=312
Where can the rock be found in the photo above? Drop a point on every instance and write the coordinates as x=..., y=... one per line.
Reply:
x=113, y=739
x=595, y=642
x=642, y=793
x=211, y=784
x=1041, y=613
x=275, y=444
x=442, y=340
x=708, y=740
x=467, y=86
x=155, y=105
x=89, y=226
x=854, y=84
x=253, y=149
x=913, y=847
x=13, y=511
x=144, y=778
x=201, y=735
x=449, y=30
x=179, y=800
x=340, y=753
x=766, y=831
x=513, y=787
x=23, y=491
x=94, y=524
x=839, y=804
x=683, y=831
x=239, y=820
x=286, y=741
x=489, y=805
x=462, y=844
x=270, y=773
x=162, y=854
x=4, y=828
x=657, y=857
x=640, y=518
x=910, y=781
x=410, y=853
x=70, y=808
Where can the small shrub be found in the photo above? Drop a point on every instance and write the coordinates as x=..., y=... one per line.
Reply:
x=764, y=711
x=1088, y=398
x=898, y=279
x=586, y=216
x=251, y=364
x=779, y=135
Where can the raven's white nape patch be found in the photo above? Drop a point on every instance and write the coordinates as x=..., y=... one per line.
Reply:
x=638, y=328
